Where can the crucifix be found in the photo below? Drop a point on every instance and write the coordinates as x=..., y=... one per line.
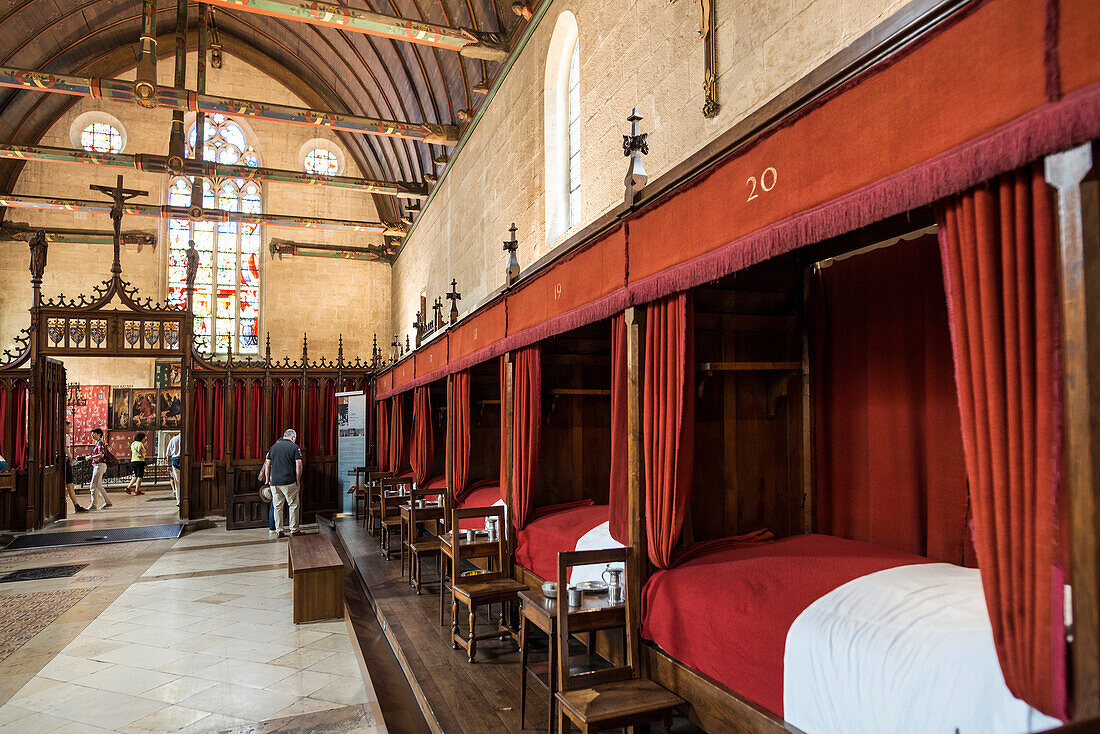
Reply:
x=120, y=196
x=454, y=297
x=710, y=57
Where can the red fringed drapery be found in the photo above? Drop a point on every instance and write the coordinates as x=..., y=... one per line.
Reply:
x=668, y=422
x=526, y=430
x=218, y=443
x=397, y=435
x=421, y=442
x=256, y=417
x=198, y=422
x=330, y=417
x=383, y=436
x=4, y=438
x=277, y=426
x=366, y=385
x=617, y=497
x=458, y=434
x=1000, y=266
x=240, y=410
x=503, y=428
x=890, y=467
x=293, y=410
x=19, y=409
x=314, y=409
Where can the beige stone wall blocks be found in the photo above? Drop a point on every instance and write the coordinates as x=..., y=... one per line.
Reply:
x=645, y=54
x=324, y=296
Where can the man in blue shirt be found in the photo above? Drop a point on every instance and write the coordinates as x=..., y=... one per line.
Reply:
x=283, y=471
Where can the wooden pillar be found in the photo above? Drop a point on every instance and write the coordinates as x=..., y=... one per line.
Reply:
x=807, y=446
x=507, y=407
x=1079, y=254
x=635, y=472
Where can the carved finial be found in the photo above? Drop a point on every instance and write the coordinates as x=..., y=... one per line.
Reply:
x=340, y=351
x=407, y=347
x=267, y=348
x=510, y=246
x=454, y=296
x=437, y=312
x=635, y=146
x=395, y=348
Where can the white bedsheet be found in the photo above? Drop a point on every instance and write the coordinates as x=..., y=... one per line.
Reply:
x=598, y=538
x=908, y=649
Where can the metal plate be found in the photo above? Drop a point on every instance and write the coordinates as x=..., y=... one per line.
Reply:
x=46, y=572
x=89, y=537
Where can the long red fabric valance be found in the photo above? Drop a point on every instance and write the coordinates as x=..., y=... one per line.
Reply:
x=421, y=443
x=1000, y=266
x=668, y=422
x=458, y=437
x=617, y=497
x=526, y=431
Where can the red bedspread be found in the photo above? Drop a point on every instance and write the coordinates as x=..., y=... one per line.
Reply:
x=484, y=493
x=727, y=613
x=538, y=544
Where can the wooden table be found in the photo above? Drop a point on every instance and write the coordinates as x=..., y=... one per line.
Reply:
x=595, y=613
x=425, y=514
x=318, y=574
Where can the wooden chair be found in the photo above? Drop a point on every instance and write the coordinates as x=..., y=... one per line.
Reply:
x=427, y=546
x=608, y=698
x=372, y=511
x=389, y=513
x=479, y=588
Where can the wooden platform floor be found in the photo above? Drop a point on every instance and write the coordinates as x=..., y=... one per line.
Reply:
x=456, y=696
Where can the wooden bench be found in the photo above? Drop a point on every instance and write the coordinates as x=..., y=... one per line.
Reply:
x=318, y=575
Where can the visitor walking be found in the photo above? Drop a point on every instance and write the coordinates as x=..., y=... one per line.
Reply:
x=70, y=459
x=137, y=463
x=283, y=471
x=172, y=451
x=99, y=468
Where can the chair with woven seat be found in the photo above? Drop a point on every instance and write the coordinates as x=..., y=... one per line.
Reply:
x=607, y=698
x=480, y=588
x=420, y=547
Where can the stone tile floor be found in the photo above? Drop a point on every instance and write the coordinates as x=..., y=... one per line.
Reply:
x=197, y=638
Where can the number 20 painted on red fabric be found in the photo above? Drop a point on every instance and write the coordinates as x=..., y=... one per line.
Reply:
x=765, y=185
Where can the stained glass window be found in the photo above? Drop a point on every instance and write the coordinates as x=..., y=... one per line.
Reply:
x=227, y=285
x=101, y=138
x=322, y=162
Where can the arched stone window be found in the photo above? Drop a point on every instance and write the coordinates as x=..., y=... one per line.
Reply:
x=321, y=157
x=97, y=132
x=562, y=120
x=227, y=286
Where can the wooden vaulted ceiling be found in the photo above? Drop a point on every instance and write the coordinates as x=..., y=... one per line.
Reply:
x=331, y=69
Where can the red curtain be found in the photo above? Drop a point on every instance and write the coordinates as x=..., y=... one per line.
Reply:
x=314, y=410
x=330, y=417
x=890, y=467
x=397, y=435
x=256, y=415
x=198, y=421
x=277, y=426
x=458, y=433
x=504, y=456
x=383, y=436
x=1000, y=262
x=421, y=443
x=367, y=386
x=240, y=409
x=19, y=408
x=218, y=444
x=617, y=498
x=526, y=430
x=293, y=410
x=5, y=440
x=668, y=422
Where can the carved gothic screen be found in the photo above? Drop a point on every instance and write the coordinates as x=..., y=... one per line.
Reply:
x=227, y=285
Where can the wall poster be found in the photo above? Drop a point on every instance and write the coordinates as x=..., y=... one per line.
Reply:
x=351, y=452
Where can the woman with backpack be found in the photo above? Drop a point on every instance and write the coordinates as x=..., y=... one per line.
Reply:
x=99, y=468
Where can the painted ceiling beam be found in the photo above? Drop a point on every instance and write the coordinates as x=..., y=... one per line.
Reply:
x=304, y=249
x=24, y=232
x=207, y=169
x=20, y=201
x=467, y=42
x=175, y=98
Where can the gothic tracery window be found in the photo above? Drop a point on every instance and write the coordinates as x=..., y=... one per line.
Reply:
x=227, y=285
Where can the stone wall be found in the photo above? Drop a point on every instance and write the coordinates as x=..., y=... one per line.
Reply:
x=328, y=297
x=642, y=54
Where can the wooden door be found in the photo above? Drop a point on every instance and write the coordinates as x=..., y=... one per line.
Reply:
x=244, y=507
x=49, y=439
